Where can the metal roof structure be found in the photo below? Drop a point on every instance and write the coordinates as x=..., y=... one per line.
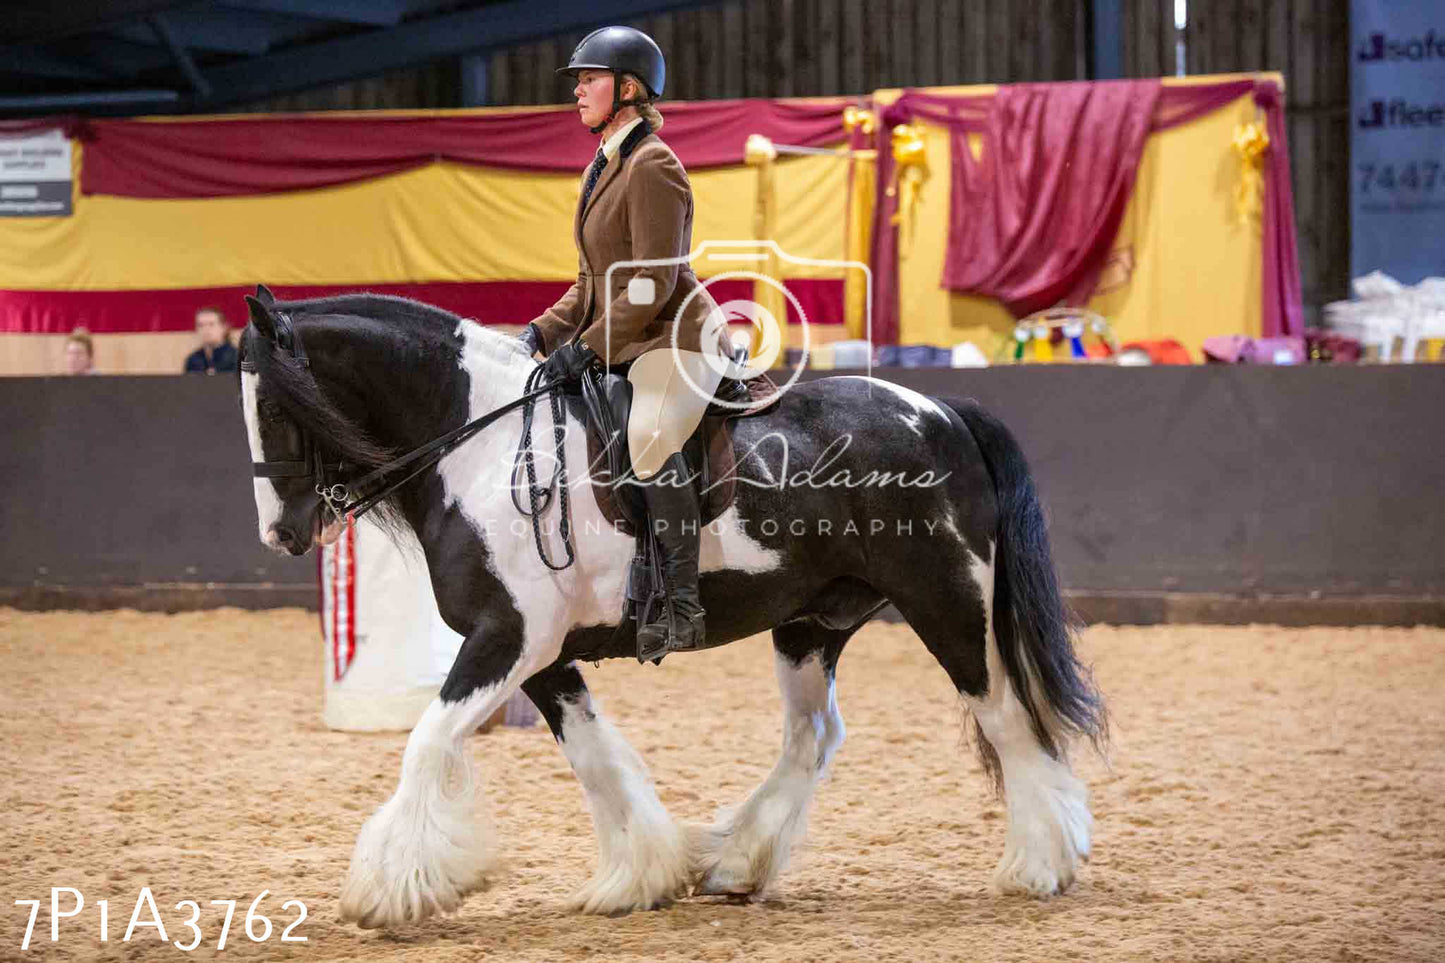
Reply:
x=162, y=56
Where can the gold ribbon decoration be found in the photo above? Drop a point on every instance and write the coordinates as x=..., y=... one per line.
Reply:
x=910, y=169
x=1251, y=143
x=859, y=119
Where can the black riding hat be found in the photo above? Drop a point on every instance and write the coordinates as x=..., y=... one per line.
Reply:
x=621, y=50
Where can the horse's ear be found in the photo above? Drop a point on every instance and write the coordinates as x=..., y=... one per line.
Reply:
x=264, y=295
x=261, y=318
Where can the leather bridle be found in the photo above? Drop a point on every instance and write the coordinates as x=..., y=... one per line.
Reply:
x=348, y=500
x=311, y=464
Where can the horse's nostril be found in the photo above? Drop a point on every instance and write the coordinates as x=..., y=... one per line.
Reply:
x=285, y=536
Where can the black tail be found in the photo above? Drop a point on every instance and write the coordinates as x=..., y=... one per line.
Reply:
x=1034, y=629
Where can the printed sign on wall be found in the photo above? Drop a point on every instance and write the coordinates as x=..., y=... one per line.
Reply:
x=35, y=175
x=1397, y=102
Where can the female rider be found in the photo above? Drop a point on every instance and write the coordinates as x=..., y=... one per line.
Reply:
x=636, y=206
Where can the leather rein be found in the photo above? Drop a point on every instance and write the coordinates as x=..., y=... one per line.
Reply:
x=347, y=501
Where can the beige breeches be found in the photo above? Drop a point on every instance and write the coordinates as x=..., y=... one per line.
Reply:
x=666, y=408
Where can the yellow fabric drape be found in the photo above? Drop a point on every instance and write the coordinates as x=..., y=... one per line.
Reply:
x=443, y=222
x=1196, y=270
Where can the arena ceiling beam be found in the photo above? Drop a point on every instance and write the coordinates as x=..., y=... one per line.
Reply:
x=450, y=35
x=121, y=59
x=129, y=56
x=123, y=101
x=371, y=13
x=180, y=54
x=39, y=62
x=39, y=22
x=221, y=29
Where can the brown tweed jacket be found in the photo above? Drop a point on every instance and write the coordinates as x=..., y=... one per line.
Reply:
x=641, y=209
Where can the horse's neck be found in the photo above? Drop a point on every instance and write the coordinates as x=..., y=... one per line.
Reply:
x=497, y=370
x=466, y=372
x=479, y=471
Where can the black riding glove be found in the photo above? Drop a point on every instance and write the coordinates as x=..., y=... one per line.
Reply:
x=567, y=363
x=531, y=337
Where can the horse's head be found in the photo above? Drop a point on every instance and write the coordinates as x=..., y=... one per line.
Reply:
x=334, y=388
x=288, y=507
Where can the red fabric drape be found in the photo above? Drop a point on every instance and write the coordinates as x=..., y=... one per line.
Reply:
x=1032, y=220
x=490, y=302
x=220, y=158
x=1035, y=215
x=1283, y=312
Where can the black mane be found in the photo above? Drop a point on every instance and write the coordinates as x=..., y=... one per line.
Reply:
x=378, y=307
x=291, y=385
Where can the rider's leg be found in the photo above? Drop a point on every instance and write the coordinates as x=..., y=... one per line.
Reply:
x=674, y=512
x=670, y=392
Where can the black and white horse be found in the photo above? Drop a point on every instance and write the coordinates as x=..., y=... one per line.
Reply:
x=852, y=493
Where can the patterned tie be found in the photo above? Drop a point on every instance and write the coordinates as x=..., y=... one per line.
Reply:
x=593, y=173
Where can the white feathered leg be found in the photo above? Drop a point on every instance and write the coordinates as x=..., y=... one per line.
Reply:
x=424, y=850
x=749, y=846
x=1048, y=806
x=642, y=855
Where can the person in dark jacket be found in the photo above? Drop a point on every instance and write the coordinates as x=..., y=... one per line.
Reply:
x=216, y=352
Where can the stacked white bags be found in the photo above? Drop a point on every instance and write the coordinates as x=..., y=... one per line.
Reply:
x=1387, y=311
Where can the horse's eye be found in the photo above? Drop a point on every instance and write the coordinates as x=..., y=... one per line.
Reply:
x=269, y=410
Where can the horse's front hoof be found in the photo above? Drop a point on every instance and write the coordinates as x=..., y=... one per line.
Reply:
x=719, y=882
x=601, y=899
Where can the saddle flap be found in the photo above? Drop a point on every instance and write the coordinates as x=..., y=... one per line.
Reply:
x=606, y=400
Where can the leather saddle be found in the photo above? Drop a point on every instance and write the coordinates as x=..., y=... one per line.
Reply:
x=607, y=404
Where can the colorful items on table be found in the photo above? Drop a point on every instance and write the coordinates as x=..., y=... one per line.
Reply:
x=1161, y=351
x=1242, y=349
x=1074, y=331
x=858, y=354
x=1060, y=335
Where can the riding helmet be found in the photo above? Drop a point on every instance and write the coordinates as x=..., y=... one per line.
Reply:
x=621, y=50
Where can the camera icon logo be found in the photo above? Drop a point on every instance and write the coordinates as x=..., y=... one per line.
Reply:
x=760, y=349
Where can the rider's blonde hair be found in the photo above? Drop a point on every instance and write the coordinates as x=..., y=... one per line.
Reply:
x=648, y=111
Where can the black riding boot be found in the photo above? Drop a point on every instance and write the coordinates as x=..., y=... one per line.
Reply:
x=676, y=519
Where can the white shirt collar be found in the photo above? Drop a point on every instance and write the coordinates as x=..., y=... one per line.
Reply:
x=613, y=144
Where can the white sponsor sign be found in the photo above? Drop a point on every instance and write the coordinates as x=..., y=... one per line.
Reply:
x=35, y=175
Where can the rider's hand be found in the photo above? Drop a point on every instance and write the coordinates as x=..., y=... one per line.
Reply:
x=531, y=338
x=568, y=362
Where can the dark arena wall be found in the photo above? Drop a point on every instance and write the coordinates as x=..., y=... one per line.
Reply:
x=1225, y=494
